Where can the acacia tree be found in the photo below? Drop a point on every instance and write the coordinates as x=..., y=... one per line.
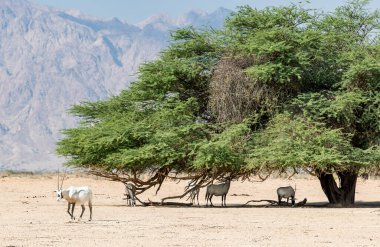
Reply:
x=159, y=125
x=313, y=83
x=280, y=89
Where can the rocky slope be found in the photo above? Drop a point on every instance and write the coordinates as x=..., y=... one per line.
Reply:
x=51, y=59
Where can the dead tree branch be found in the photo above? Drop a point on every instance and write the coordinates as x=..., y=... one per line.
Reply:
x=275, y=203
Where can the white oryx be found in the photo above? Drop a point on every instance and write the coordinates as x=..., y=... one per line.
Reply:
x=75, y=195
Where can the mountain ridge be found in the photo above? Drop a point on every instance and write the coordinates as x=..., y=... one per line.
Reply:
x=51, y=59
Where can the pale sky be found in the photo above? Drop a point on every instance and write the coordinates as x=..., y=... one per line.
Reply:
x=133, y=11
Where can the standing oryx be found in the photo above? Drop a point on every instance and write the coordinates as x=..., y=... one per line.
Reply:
x=130, y=192
x=218, y=190
x=75, y=195
x=286, y=192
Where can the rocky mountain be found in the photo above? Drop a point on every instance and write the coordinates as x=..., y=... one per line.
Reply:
x=51, y=59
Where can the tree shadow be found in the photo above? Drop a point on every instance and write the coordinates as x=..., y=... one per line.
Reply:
x=263, y=203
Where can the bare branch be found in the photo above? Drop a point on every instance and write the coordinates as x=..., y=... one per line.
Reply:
x=272, y=202
x=275, y=203
x=264, y=178
x=294, y=173
x=200, y=184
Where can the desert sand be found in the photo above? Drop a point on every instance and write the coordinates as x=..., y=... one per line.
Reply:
x=31, y=216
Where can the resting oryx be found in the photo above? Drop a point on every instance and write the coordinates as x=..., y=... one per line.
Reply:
x=75, y=195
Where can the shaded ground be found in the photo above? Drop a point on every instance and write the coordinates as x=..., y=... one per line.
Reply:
x=30, y=216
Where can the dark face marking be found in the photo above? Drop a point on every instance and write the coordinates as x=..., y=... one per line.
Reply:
x=59, y=195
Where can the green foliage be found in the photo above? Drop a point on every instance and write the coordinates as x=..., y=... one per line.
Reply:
x=184, y=68
x=274, y=37
x=364, y=72
x=133, y=134
x=303, y=91
x=225, y=151
x=298, y=142
x=355, y=112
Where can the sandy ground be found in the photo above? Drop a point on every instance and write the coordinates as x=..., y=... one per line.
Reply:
x=30, y=216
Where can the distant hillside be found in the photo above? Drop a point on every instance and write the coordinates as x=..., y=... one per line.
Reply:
x=51, y=59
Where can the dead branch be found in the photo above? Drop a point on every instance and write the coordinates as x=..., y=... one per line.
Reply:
x=301, y=203
x=265, y=178
x=194, y=182
x=141, y=185
x=151, y=203
x=311, y=172
x=231, y=90
x=161, y=177
x=272, y=202
x=143, y=203
x=143, y=189
x=175, y=197
x=294, y=173
x=275, y=203
x=198, y=185
x=184, y=178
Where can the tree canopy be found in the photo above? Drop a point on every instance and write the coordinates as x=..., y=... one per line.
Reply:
x=279, y=89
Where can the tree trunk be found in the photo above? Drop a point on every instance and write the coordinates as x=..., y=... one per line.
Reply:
x=343, y=195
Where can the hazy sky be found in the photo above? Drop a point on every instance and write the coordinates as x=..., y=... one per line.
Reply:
x=134, y=11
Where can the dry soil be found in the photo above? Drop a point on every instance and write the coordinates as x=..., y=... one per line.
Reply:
x=31, y=216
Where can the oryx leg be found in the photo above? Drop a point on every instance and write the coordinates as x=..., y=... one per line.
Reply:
x=80, y=217
x=72, y=211
x=210, y=200
x=128, y=200
x=90, y=206
x=68, y=210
